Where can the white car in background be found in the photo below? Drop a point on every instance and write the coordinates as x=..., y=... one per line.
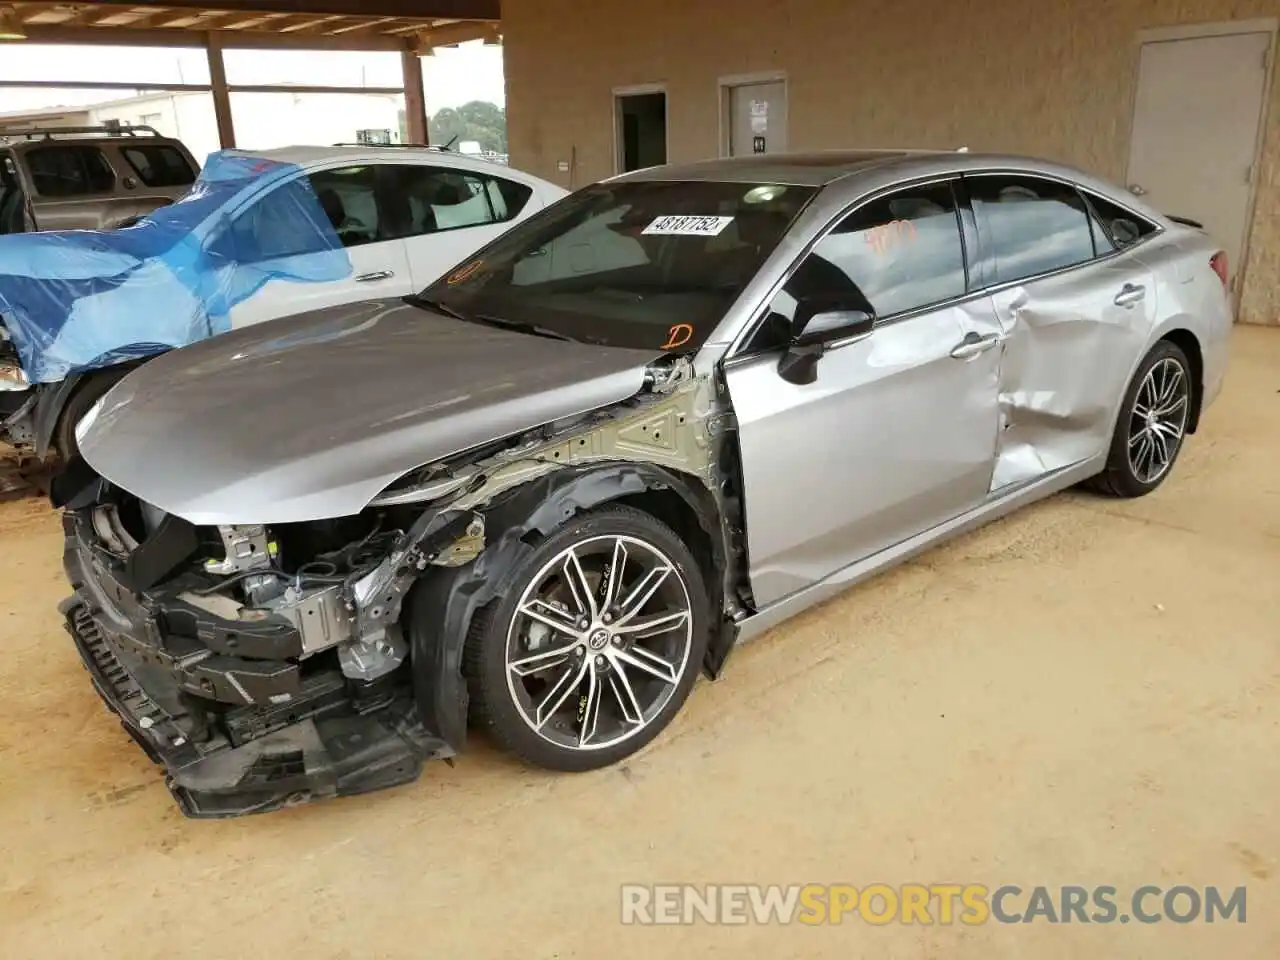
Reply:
x=404, y=214
x=246, y=244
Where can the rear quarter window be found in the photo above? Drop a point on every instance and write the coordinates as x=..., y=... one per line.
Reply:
x=69, y=171
x=159, y=165
x=1119, y=227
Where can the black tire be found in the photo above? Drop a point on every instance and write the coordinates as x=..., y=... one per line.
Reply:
x=1120, y=478
x=89, y=392
x=485, y=664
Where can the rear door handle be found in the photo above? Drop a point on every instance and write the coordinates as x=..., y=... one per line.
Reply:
x=1130, y=294
x=375, y=275
x=973, y=344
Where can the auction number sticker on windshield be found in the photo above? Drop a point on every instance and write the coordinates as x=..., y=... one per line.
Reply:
x=686, y=226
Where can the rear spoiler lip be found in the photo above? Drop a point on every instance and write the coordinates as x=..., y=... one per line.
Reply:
x=1186, y=222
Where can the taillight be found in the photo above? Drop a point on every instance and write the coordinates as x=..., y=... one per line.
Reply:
x=1219, y=263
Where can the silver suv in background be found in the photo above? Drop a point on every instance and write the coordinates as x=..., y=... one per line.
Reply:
x=88, y=178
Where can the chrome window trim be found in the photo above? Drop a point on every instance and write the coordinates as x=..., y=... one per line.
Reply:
x=737, y=348
x=1085, y=193
x=738, y=351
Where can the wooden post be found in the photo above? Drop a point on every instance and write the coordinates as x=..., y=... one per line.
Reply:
x=415, y=103
x=221, y=97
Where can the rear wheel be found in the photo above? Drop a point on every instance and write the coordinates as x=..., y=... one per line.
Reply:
x=596, y=647
x=1152, y=425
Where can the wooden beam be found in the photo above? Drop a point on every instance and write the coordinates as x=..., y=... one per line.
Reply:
x=364, y=25
x=458, y=33
x=107, y=85
x=308, y=24
x=245, y=22
x=221, y=96
x=85, y=16
x=422, y=9
x=309, y=88
x=415, y=103
x=241, y=40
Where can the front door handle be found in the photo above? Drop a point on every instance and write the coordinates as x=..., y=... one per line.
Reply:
x=974, y=344
x=375, y=275
x=1130, y=294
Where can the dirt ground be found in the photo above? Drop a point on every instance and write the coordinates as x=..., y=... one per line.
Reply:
x=1085, y=693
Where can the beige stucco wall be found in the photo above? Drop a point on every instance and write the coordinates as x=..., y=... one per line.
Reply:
x=1029, y=76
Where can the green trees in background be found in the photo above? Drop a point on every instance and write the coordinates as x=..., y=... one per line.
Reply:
x=477, y=120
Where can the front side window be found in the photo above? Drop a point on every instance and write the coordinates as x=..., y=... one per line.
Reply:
x=440, y=199
x=349, y=198
x=1033, y=226
x=650, y=265
x=159, y=165
x=296, y=219
x=69, y=171
x=901, y=252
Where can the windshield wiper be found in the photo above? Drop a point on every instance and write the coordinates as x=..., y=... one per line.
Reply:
x=520, y=326
x=427, y=303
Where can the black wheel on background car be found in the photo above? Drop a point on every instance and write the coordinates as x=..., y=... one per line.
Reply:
x=597, y=645
x=82, y=399
x=1152, y=424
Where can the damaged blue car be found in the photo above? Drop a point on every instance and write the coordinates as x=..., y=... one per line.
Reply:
x=80, y=308
x=259, y=236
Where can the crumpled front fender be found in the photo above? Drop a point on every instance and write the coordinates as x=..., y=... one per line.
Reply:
x=444, y=603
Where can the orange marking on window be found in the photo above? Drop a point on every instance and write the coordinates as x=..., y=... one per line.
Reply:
x=678, y=336
x=881, y=238
x=460, y=275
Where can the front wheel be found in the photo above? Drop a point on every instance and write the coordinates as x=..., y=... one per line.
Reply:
x=1152, y=424
x=89, y=392
x=597, y=645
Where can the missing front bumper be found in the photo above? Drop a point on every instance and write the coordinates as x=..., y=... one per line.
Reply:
x=328, y=754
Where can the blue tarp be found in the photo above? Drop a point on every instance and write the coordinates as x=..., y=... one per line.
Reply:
x=80, y=299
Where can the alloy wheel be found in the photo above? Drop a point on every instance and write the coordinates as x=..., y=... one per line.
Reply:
x=599, y=642
x=1159, y=420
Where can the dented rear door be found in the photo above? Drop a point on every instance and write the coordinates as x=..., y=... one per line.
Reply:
x=1072, y=314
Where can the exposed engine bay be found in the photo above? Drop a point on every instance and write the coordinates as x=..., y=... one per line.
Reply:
x=293, y=661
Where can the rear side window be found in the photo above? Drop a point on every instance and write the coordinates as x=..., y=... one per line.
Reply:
x=159, y=165
x=1117, y=227
x=436, y=199
x=69, y=171
x=1033, y=226
x=902, y=252
x=509, y=197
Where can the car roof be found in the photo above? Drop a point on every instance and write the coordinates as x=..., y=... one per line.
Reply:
x=20, y=142
x=876, y=169
x=308, y=155
x=813, y=169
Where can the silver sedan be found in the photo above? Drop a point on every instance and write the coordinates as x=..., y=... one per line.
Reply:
x=665, y=414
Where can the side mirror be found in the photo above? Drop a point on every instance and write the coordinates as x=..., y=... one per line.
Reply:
x=818, y=323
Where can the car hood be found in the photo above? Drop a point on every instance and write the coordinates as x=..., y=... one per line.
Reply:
x=311, y=416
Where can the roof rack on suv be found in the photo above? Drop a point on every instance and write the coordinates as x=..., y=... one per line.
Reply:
x=105, y=129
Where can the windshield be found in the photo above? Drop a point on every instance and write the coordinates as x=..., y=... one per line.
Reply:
x=649, y=265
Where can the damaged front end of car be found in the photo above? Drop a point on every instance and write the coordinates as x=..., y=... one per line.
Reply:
x=268, y=665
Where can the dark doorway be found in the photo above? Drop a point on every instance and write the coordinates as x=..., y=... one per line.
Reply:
x=642, y=130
